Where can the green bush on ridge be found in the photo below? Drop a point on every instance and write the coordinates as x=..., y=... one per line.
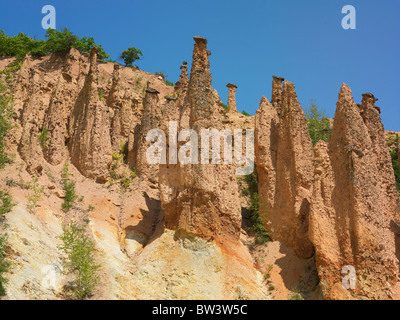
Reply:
x=56, y=41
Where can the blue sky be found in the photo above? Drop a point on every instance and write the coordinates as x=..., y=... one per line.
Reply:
x=250, y=41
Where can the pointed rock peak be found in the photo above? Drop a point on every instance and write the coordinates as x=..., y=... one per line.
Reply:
x=288, y=86
x=289, y=93
x=346, y=94
x=345, y=89
x=264, y=102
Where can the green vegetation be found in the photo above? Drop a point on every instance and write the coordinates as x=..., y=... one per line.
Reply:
x=6, y=206
x=267, y=275
x=318, y=124
x=137, y=81
x=131, y=55
x=246, y=114
x=44, y=138
x=4, y=265
x=6, y=203
x=124, y=150
x=393, y=144
x=69, y=188
x=226, y=108
x=101, y=94
x=56, y=41
x=116, y=175
x=35, y=196
x=6, y=111
x=258, y=213
x=167, y=82
x=80, y=259
x=295, y=296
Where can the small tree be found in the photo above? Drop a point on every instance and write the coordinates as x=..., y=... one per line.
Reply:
x=36, y=194
x=131, y=55
x=6, y=202
x=80, y=259
x=318, y=124
x=393, y=145
x=69, y=188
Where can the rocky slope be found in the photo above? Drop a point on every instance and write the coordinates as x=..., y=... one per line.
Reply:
x=184, y=231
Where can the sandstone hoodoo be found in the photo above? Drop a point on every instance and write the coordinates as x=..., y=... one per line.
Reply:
x=266, y=147
x=232, y=97
x=284, y=158
x=355, y=204
x=183, y=81
x=198, y=198
x=150, y=120
x=188, y=227
x=90, y=147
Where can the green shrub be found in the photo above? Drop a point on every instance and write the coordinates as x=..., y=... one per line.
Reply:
x=44, y=138
x=393, y=144
x=246, y=114
x=295, y=296
x=167, y=82
x=116, y=175
x=65, y=40
x=138, y=80
x=56, y=41
x=124, y=150
x=258, y=213
x=36, y=194
x=80, y=259
x=69, y=189
x=6, y=203
x=318, y=124
x=101, y=94
x=20, y=45
x=4, y=265
x=131, y=55
x=6, y=111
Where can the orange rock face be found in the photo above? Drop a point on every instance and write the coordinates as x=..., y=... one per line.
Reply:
x=284, y=164
x=84, y=109
x=354, y=210
x=337, y=200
